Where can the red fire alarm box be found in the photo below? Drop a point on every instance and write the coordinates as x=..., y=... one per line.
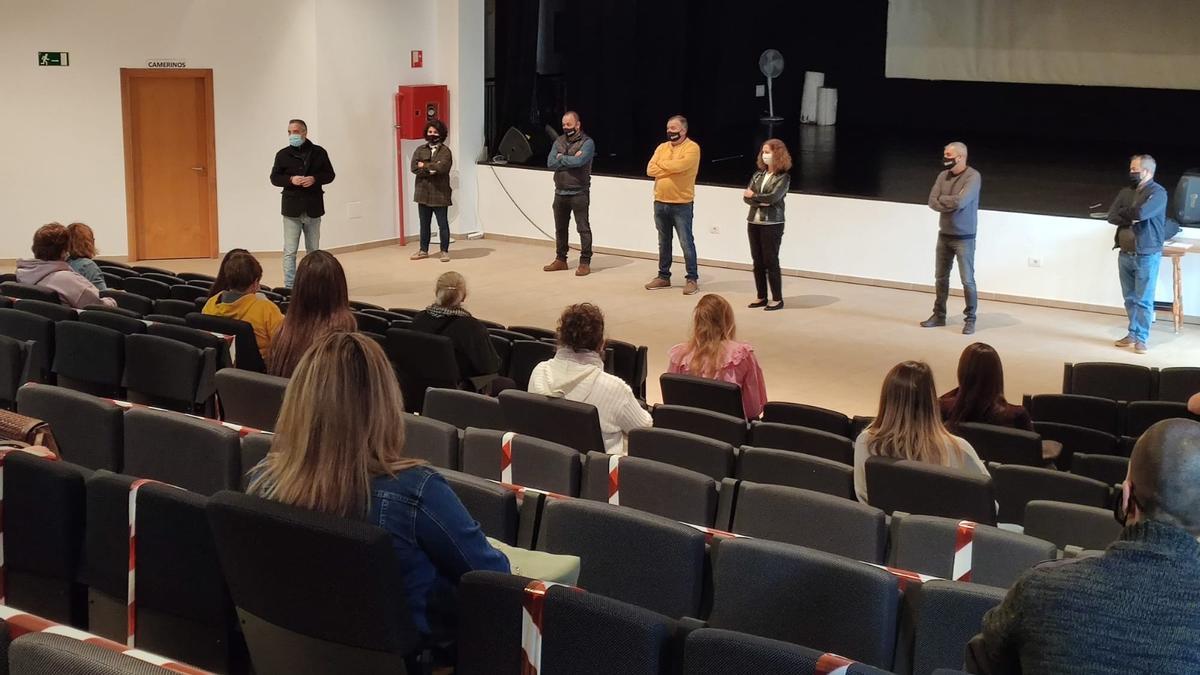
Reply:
x=417, y=105
x=418, y=58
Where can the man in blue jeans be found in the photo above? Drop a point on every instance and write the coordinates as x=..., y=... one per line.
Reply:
x=674, y=167
x=1140, y=214
x=301, y=169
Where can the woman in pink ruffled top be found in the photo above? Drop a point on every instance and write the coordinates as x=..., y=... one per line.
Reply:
x=713, y=352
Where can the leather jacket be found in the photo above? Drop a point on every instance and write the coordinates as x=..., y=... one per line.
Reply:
x=766, y=206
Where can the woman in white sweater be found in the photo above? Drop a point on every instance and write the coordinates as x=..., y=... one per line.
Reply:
x=909, y=426
x=576, y=373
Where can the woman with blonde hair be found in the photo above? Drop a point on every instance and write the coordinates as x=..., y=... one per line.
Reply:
x=81, y=248
x=478, y=362
x=713, y=351
x=339, y=449
x=909, y=426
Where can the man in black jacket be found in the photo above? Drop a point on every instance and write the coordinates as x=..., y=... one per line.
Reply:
x=571, y=158
x=301, y=169
x=1140, y=214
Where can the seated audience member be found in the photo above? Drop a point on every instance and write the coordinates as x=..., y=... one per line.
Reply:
x=478, y=362
x=713, y=351
x=979, y=396
x=909, y=426
x=1193, y=404
x=1132, y=609
x=339, y=448
x=319, y=305
x=240, y=300
x=222, y=283
x=576, y=373
x=49, y=269
x=81, y=248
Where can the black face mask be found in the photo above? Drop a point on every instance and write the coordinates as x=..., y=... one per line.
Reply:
x=432, y=140
x=1135, y=178
x=569, y=133
x=673, y=136
x=948, y=163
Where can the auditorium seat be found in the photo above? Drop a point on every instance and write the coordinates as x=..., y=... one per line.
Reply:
x=1076, y=439
x=39, y=331
x=920, y=488
x=1092, y=412
x=248, y=355
x=114, y=264
x=1104, y=468
x=1016, y=486
x=524, y=357
x=167, y=373
x=1141, y=415
x=536, y=333
x=794, y=469
x=89, y=358
x=464, y=409
x=368, y=323
x=188, y=293
x=422, y=360
x=1178, y=384
x=16, y=368
x=271, y=554
x=147, y=269
x=582, y=633
x=511, y=336
x=570, y=423
x=56, y=654
x=811, y=416
x=17, y=290
x=431, y=440
x=114, y=281
x=927, y=544
x=249, y=398
x=630, y=364
x=1116, y=381
x=701, y=392
x=858, y=424
x=44, y=516
x=254, y=449
x=494, y=507
x=711, y=457
x=503, y=348
x=1003, y=444
x=938, y=619
x=114, y=320
x=654, y=487
x=89, y=430
x=388, y=316
x=198, y=455
x=177, y=330
x=147, y=288
x=176, y=308
x=536, y=463
x=611, y=541
x=725, y=428
x=1087, y=527
x=711, y=651
x=51, y=310
x=802, y=439
x=128, y=300
x=806, y=597
x=189, y=277
x=359, y=306
x=813, y=519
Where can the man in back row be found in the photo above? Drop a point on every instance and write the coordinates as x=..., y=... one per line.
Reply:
x=674, y=167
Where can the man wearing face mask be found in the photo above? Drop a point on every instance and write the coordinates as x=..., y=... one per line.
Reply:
x=571, y=158
x=301, y=169
x=674, y=167
x=1140, y=214
x=1132, y=609
x=955, y=195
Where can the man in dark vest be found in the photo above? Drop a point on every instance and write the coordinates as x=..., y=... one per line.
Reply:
x=571, y=158
x=301, y=169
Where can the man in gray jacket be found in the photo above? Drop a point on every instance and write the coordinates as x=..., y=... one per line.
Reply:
x=955, y=195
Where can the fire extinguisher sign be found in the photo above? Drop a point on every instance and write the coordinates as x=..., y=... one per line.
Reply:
x=418, y=58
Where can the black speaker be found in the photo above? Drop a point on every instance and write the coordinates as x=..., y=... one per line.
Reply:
x=515, y=146
x=1186, y=206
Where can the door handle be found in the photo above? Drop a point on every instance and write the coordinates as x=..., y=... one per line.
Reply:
x=197, y=168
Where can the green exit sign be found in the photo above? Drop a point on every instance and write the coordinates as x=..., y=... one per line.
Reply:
x=54, y=59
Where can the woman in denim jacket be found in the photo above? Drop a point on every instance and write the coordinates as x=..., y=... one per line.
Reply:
x=338, y=448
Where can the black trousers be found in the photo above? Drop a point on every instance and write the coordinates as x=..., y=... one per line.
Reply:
x=764, y=251
x=564, y=206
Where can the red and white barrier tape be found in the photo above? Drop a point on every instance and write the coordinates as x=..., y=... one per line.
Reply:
x=242, y=430
x=3, y=454
x=19, y=623
x=614, y=480
x=712, y=533
x=506, y=469
x=532, y=622
x=521, y=490
x=832, y=664
x=963, y=551
x=131, y=593
x=904, y=577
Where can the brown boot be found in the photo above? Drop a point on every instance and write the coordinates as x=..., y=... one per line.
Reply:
x=658, y=282
x=690, y=287
x=583, y=270
x=556, y=266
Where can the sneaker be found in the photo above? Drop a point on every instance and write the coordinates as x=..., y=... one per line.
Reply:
x=658, y=282
x=1126, y=341
x=1140, y=347
x=556, y=266
x=690, y=287
x=583, y=270
x=968, y=328
x=419, y=255
x=933, y=321
x=445, y=256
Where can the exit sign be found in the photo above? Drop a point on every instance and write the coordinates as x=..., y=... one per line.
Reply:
x=54, y=59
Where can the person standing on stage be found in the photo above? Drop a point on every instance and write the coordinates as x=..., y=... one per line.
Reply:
x=301, y=169
x=571, y=158
x=764, y=223
x=955, y=195
x=431, y=163
x=1140, y=214
x=674, y=167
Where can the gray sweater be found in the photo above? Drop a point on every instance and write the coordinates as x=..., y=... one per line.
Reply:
x=1134, y=609
x=957, y=199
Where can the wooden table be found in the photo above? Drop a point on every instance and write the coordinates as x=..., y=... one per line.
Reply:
x=1175, y=250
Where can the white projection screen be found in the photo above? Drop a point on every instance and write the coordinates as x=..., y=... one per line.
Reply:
x=1117, y=43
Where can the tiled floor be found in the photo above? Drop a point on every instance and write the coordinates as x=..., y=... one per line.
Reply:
x=830, y=346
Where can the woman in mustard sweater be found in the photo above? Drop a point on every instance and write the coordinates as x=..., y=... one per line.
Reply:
x=241, y=300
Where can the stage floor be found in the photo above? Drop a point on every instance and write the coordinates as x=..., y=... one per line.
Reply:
x=1022, y=175
x=830, y=346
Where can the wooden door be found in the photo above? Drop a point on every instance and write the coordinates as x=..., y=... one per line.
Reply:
x=170, y=163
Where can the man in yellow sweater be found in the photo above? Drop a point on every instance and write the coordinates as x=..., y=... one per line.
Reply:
x=673, y=168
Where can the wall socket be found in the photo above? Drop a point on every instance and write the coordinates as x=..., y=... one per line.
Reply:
x=1035, y=261
x=715, y=229
x=760, y=90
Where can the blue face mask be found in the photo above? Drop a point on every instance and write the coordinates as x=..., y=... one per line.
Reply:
x=295, y=140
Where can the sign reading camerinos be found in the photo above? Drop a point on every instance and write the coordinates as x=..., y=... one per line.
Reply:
x=167, y=64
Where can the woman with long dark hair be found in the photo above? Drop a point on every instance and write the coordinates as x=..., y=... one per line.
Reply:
x=909, y=426
x=319, y=305
x=222, y=281
x=979, y=396
x=764, y=224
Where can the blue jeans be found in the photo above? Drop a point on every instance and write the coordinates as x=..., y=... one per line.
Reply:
x=677, y=219
x=1139, y=275
x=292, y=227
x=949, y=251
x=426, y=214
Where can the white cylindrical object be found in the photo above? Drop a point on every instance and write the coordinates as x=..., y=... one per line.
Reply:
x=813, y=81
x=827, y=107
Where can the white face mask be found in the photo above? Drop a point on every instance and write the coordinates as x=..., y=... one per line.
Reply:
x=767, y=157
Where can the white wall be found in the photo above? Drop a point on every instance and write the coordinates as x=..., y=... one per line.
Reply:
x=460, y=65
x=847, y=237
